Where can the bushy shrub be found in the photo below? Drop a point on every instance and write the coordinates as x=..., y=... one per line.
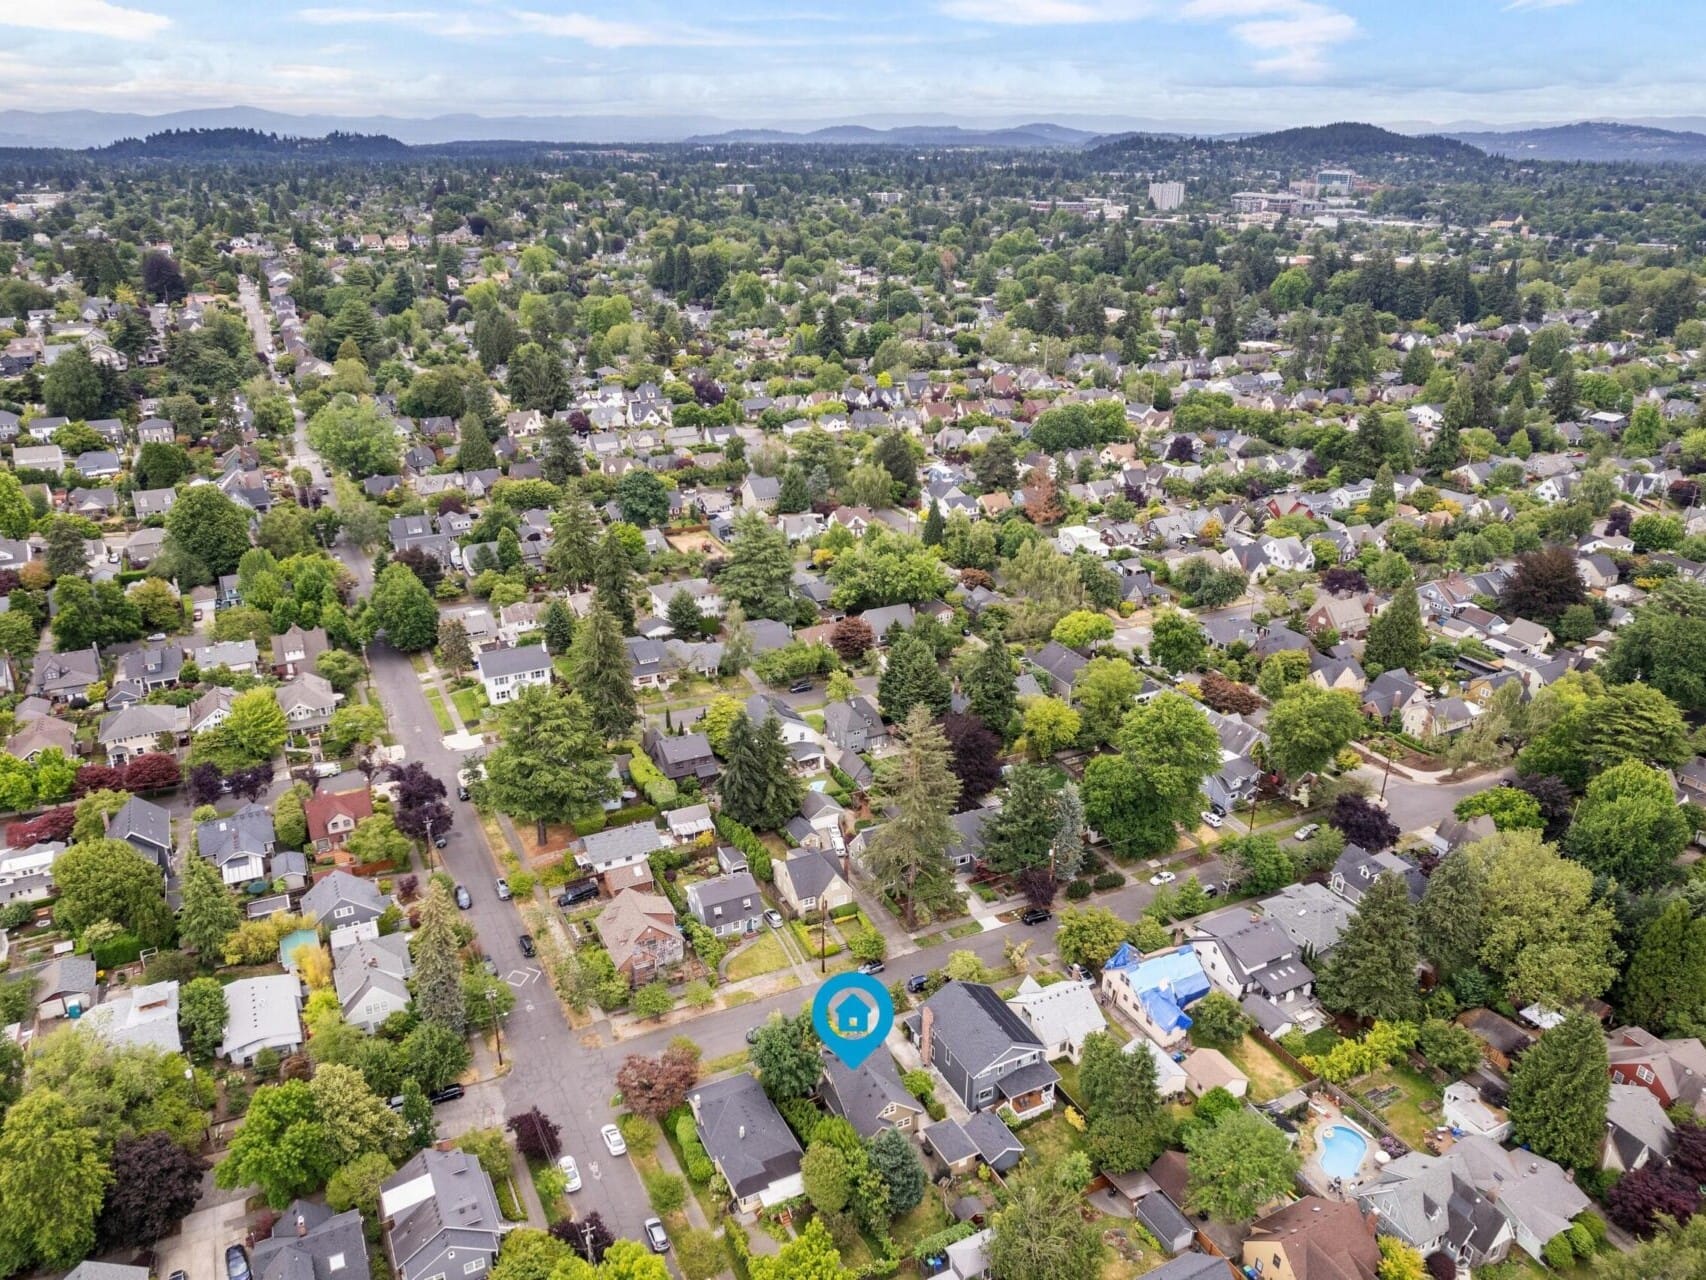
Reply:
x=1108, y=880
x=1079, y=890
x=666, y=1191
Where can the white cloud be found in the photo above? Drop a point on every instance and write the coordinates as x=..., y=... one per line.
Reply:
x=1290, y=37
x=86, y=17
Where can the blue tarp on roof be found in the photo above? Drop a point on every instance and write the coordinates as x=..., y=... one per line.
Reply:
x=1165, y=982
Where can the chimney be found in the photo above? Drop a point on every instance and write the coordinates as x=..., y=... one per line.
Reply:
x=301, y=1226
x=926, y=1025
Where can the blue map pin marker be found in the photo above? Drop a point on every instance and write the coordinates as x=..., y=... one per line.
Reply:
x=852, y=1013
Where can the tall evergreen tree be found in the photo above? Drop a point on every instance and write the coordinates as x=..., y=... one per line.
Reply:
x=558, y=626
x=559, y=452
x=1664, y=986
x=1372, y=972
x=437, y=980
x=1383, y=500
x=551, y=765
x=474, y=447
x=1395, y=638
x=1068, y=840
x=598, y=667
x=934, y=525
x=1559, y=1092
x=911, y=679
x=1019, y=835
x=793, y=496
x=989, y=685
x=574, y=543
x=613, y=581
x=757, y=787
x=209, y=914
x=908, y=855
x=1450, y=927
x=455, y=650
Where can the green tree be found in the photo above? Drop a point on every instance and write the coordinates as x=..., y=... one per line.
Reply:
x=1082, y=628
x=357, y=1185
x=598, y=669
x=376, y=839
x=1238, y=1164
x=1218, y=1021
x=785, y=1054
x=989, y=685
x=642, y=498
x=16, y=516
x=908, y=854
x=202, y=1013
x=1559, y=1092
x=1629, y=826
x=1665, y=645
x=1020, y=833
x=1664, y=983
x=613, y=581
x=683, y=615
x=1089, y=936
x=356, y=437
x=1546, y=938
x=110, y=880
x=437, y=981
x=912, y=679
x=758, y=789
x=1127, y=1126
x=53, y=1178
x=209, y=913
x=1309, y=726
x=1450, y=926
x=1106, y=688
x=208, y=532
x=282, y=1145
x=1139, y=798
x=551, y=765
x=1396, y=640
x=1372, y=971
x=1050, y=726
x=759, y=574
x=255, y=727
x=72, y=387
x=455, y=650
x=574, y=542
x=1581, y=729
x=474, y=447
x=1040, y=1232
x=1177, y=642
x=558, y=627
x=404, y=609
x=897, y=1163
x=811, y=1255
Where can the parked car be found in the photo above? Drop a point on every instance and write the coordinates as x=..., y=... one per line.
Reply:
x=1307, y=831
x=917, y=982
x=571, y=1174
x=464, y=899
x=236, y=1262
x=579, y=891
x=1162, y=877
x=527, y=947
x=614, y=1143
x=1035, y=915
x=656, y=1236
x=1212, y=818
x=872, y=966
x=504, y=894
x=752, y=1035
x=489, y=965
x=462, y=792
x=438, y=842
x=773, y=918
x=449, y=1093
x=800, y=686
x=1211, y=890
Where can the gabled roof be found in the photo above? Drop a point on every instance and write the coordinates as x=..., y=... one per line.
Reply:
x=863, y=1093
x=973, y=1018
x=341, y=887
x=744, y=1134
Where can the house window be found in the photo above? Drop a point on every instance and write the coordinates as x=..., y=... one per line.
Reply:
x=1617, y=1078
x=984, y=1095
x=1644, y=1075
x=474, y=1267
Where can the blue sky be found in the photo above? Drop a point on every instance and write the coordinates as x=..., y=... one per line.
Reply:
x=1238, y=63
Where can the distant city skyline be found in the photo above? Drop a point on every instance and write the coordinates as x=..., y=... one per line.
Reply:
x=1100, y=64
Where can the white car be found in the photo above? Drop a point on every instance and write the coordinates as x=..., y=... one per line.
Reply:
x=1307, y=832
x=613, y=1140
x=1212, y=818
x=1162, y=877
x=571, y=1173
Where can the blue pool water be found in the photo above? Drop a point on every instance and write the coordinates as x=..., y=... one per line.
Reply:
x=1342, y=1150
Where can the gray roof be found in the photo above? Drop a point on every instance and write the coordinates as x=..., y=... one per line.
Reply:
x=681, y=748
x=514, y=662
x=811, y=871
x=93, y=1270
x=1251, y=943
x=862, y=1094
x=307, y=1240
x=729, y=891
x=995, y=1142
x=341, y=886
x=66, y=974
x=143, y=820
x=618, y=844
x=745, y=1134
x=1191, y=1266
x=973, y=1018
x=461, y=1211
x=249, y=830
x=948, y=1140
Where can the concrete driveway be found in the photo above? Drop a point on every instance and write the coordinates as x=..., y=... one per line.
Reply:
x=198, y=1249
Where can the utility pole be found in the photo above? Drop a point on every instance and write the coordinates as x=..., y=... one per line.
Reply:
x=497, y=1023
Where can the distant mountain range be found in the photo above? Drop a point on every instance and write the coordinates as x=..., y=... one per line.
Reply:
x=1594, y=140
x=1647, y=141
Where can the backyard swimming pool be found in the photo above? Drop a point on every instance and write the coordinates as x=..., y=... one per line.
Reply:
x=1342, y=1150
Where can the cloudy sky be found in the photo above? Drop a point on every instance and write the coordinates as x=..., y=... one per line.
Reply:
x=1247, y=63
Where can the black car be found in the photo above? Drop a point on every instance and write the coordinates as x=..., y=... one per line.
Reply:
x=1035, y=915
x=527, y=947
x=236, y=1263
x=580, y=891
x=752, y=1035
x=462, y=793
x=800, y=686
x=449, y=1093
x=917, y=982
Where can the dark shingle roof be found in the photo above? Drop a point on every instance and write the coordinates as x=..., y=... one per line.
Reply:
x=977, y=1022
x=745, y=1134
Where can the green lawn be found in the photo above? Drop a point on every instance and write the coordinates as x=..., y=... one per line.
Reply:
x=436, y=702
x=1050, y=1138
x=471, y=704
x=1414, y=1111
x=926, y=1219
x=763, y=955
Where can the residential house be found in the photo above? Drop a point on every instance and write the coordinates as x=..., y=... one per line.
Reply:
x=619, y=856
x=810, y=881
x=1473, y=1202
x=370, y=975
x=506, y=672
x=1357, y=869
x=1466, y=1111
x=760, y=493
x=1061, y=1015
x=984, y=1050
x=870, y=1096
x=638, y=929
x=153, y=666
x=1060, y=664
x=1154, y=991
x=728, y=904
x=440, y=1217
x=143, y=1017
x=650, y=665
x=680, y=756
x=1637, y=1130
x=334, y=815
x=297, y=650
x=339, y=900
x=41, y=733
x=1246, y=955
x=310, y=1242
x=1673, y=1071
x=240, y=657
x=855, y=724
x=146, y=827
x=1209, y=1069
x=1311, y=915
x=307, y=701
x=1313, y=1239
x=689, y=822
x=65, y=987
x=748, y=1142
x=142, y=728
x=239, y=845
x=262, y=1013
x=704, y=594
x=26, y=875
x=65, y=677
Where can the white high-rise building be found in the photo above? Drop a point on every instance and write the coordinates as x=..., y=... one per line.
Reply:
x=1166, y=195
